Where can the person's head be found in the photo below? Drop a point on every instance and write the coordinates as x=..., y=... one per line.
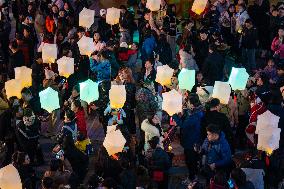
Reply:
x=123, y=9
x=282, y=91
x=212, y=48
x=154, y=142
x=69, y=116
x=232, y=8
x=199, y=76
x=213, y=8
x=77, y=105
x=194, y=100
x=26, y=32
x=97, y=37
x=262, y=79
x=26, y=94
x=239, y=177
x=134, y=46
x=203, y=35
x=62, y=13
x=80, y=32
x=75, y=91
x=242, y=7
x=66, y=6
x=54, y=9
x=125, y=75
x=280, y=70
x=281, y=12
x=20, y=158
x=213, y=132
x=274, y=12
x=148, y=64
x=248, y=23
x=47, y=183
x=214, y=104
x=281, y=32
x=271, y=63
x=103, y=55
x=147, y=14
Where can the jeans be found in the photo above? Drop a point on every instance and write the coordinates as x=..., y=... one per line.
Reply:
x=248, y=56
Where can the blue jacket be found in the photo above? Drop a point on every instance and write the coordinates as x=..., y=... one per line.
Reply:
x=101, y=69
x=148, y=47
x=190, y=128
x=218, y=152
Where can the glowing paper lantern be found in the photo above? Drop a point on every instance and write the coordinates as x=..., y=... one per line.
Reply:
x=117, y=96
x=238, y=78
x=86, y=46
x=112, y=16
x=10, y=178
x=153, y=5
x=222, y=91
x=164, y=75
x=255, y=176
x=268, y=140
x=114, y=141
x=24, y=74
x=199, y=6
x=89, y=91
x=49, y=53
x=86, y=17
x=186, y=79
x=13, y=87
x=172, y=102
x=65, y=66
x=266, y=121
x=49, y=99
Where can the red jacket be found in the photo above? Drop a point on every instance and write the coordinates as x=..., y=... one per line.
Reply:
x=81, y=122
x=278, y=47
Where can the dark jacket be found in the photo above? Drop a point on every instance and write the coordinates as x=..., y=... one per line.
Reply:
x=247, y=185
x=201, y=50
x=160, y=160
x=249, y=38
x=16, y=60
x=218, y=152
x=164, y=51
x=218, y=118
x=190, y=123
x=127, y=179
x=213, y=68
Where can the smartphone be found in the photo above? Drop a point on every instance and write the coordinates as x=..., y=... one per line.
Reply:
x=62, y=81
x=231, y=183
x=59, y=154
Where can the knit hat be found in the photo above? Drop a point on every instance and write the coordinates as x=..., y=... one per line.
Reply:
x=103, y=12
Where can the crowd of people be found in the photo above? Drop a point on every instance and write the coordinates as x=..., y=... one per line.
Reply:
x=226, y=34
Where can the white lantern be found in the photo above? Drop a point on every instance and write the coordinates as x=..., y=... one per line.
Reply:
x=89, y=91
x=222, y=91
x=266, y=120
x=172, y=102
x=268, y=140
x=86, y=46
x=49, y=53
x=238, y=78
x=164, y=75
x=24, y=74
x=49, y=99
x=186, y=79
x=153, y=5
x=65, y=66
x=199, y=6
x=10, y=178
x=117, y=96
x=13, y=87
x=86, y=17
x=112, y=16
x=114, y=141
x=255, y=176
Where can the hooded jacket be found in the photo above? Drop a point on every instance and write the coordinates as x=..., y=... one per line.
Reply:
x=218, y=152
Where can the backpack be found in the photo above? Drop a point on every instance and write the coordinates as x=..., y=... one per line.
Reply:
x=74, y=132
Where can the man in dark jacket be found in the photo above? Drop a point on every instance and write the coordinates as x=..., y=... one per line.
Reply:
x=163, y=49
x=201, y=48
x=213, y=66
x=249, y=42
x=190, y=122
x=37, y=74
x=16, y=59
x=213, y=116
x=31, y=101
x=216, y=149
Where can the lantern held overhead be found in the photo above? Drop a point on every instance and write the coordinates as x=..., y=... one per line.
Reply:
x=49, y=99
x=153, y=5
x=49, y=53
x=13, y=87
x=114, y=141
x=222, y=91
x=112, y=16
x=24, y=74
x=65, y=66
x=199, y=6
x=186, y=79
x=89, y=91
x=164, y=75
x=238, y=78
x=86, y=46
x=86, y=17
x=117, y=96
x=172, y=102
